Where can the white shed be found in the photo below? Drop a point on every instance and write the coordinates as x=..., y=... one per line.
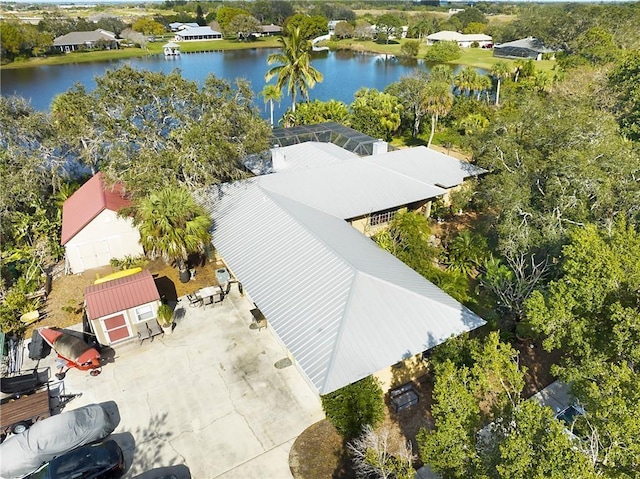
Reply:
x=92, y=231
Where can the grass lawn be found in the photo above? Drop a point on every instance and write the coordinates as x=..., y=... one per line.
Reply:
x=154, y=48
x=475, y=57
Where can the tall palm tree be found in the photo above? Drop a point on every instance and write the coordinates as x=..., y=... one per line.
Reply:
x=271, y=93
x=500, y=71
x=293, y=67
x=172, y=225
x=438, y=102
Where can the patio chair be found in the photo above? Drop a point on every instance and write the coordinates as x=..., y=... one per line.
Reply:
x=194, y=300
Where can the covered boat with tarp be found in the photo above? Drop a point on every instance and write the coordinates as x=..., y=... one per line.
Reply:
x=73, y=350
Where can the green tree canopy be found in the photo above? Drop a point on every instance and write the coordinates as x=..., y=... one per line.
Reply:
x=309, y=26
x=375, y=113
x=148, y=26
x=318, y=112
x=243, y=26
x=443, y=52
x=162, y=129
x=355, y=406
x=224, y=16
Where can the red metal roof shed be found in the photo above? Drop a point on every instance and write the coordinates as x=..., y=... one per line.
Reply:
x=87, y=203
x=120, y=294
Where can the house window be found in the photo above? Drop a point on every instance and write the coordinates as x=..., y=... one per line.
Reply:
x=144, y=313
x=382, y=217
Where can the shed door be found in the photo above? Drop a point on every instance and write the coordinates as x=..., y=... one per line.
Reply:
x=116, y=328
x=94, y=254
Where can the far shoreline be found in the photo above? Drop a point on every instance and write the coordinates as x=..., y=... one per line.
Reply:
x=473, y=57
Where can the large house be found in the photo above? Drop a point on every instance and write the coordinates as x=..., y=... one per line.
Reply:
x=343, y=307
x=92, y=231
x=197, y=33
x=85, y=40
x=525, y=48
x=464, y=40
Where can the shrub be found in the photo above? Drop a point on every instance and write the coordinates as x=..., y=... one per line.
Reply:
x=443, y=52
x=129, y=262
x=410, y=48
x=355, y=406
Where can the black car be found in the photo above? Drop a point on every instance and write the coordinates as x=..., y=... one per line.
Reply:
x=94, y=461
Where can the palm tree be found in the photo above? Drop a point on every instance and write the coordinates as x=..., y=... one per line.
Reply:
x=466, y=80
x=293, y=68
x=271, y=93
x=500, y=71
x=438, y=102
x=441, y=73
x=483, y=84
x=172, y=225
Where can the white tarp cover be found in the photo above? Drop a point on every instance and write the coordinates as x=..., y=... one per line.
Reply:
x=23, y=453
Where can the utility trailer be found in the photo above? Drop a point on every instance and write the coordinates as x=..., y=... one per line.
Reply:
x=17, y=414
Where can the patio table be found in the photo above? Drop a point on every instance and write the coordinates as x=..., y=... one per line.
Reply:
x=210, y=294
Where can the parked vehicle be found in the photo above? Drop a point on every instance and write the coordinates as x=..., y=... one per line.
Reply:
x=95, y=461
x=23, y=453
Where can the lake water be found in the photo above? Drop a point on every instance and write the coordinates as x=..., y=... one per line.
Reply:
x=344, y=73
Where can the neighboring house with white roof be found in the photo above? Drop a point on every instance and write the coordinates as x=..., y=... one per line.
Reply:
x=343, y=307
x=85, y=40
x=197, y=33
x=177, y=26
x=464, y=40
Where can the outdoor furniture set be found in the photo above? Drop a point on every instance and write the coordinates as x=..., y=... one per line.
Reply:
x=209, y=295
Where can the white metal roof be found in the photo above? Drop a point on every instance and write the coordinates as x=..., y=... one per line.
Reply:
x=427, y=165
x=197, y=32
x=349, y=188
x=308, y=155
x=447, y=35
x=344, y=307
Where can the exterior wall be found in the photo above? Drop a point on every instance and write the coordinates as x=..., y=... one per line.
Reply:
x=401, y=373
x=107, y=236
x=180, y=38
x=363, y=225
x=132, y=323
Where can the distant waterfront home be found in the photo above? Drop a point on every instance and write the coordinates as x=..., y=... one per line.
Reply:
x=92, y=231
x=117, y=310
x=197, y=33
x=97, y=39
x=177, y=26
x=463, y=40
x=269, y=30
x=525, y=48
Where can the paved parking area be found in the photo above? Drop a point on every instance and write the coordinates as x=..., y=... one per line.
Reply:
x=206, y=398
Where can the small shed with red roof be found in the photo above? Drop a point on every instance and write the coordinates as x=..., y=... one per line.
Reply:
x=92, y=231
x=118, y=309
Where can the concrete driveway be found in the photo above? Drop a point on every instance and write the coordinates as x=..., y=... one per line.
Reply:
x=207, y=397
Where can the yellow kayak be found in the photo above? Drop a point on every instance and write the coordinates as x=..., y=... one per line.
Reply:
x=117, y=274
